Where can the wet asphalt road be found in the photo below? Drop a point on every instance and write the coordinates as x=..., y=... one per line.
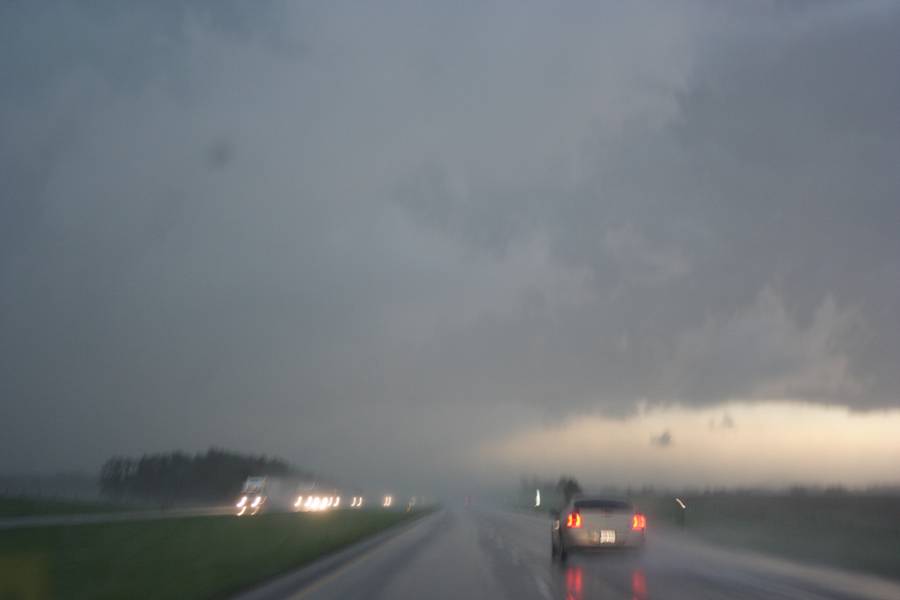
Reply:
x=480, y=553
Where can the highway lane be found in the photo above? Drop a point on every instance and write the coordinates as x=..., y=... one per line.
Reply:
x=480, y=553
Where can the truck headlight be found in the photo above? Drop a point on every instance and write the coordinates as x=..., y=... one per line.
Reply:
x=256, y=501
x=242, y=502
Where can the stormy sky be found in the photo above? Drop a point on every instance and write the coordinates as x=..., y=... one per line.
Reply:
x=413, y=242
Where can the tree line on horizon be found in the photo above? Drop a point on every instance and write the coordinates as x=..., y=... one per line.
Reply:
x=171, y=477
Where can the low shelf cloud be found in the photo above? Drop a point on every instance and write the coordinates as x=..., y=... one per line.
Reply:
x=372, y=238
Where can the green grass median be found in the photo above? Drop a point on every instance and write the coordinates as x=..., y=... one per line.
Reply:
x=22, y=506
x=198, y=557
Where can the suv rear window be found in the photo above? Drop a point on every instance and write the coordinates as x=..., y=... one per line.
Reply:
x=608, y=505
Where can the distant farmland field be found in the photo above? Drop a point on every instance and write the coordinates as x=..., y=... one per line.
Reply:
x=21, y=506
x=859, y=532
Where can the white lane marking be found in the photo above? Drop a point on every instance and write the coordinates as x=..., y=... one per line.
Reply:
x=542, y=587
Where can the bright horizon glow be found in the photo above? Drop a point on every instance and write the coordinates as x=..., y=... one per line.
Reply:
x=770, y=443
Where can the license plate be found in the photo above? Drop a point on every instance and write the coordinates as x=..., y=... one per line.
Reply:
x=607, y=536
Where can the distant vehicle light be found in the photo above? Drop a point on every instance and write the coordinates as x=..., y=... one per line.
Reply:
x=298, y=502
x=256, y=501
x=337, y=501
x=388, y=500
x=638, y=522
x=241, y=502
x=573, y=520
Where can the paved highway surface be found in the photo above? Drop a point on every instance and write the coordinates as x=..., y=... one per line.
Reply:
x=480, y=553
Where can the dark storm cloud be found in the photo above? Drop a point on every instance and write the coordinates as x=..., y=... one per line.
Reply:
x=743, y=247
x=364, y=239
x=663, y=440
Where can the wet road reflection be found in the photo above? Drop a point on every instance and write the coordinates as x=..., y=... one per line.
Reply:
x=638, y=585
x=574, y=587
x=595, y=579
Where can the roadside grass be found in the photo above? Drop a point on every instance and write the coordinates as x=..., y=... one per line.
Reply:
x=198, y=557
x=856, y=532
x=24, y=506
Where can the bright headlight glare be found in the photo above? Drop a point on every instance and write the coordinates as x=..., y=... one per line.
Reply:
x=256, y=501
x=242, y=502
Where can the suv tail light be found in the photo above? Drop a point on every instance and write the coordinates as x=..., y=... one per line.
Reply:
x=573, y=520
x=638, y=522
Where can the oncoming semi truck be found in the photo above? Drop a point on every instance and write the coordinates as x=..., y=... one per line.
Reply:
x=292, y=494
x=267, y=493
x=282, y=494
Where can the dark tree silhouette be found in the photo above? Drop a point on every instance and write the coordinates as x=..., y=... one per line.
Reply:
x=215, y=475
x=568, y=487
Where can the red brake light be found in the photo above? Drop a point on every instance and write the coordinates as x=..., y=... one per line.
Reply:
x=638, y=522
x=573, y=521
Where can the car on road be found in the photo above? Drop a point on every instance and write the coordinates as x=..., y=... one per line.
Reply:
x=593, y=523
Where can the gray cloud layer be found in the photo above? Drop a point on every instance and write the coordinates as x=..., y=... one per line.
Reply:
x=365, y=238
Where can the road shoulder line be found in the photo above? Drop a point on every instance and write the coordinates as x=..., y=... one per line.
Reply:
x=295, y=581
